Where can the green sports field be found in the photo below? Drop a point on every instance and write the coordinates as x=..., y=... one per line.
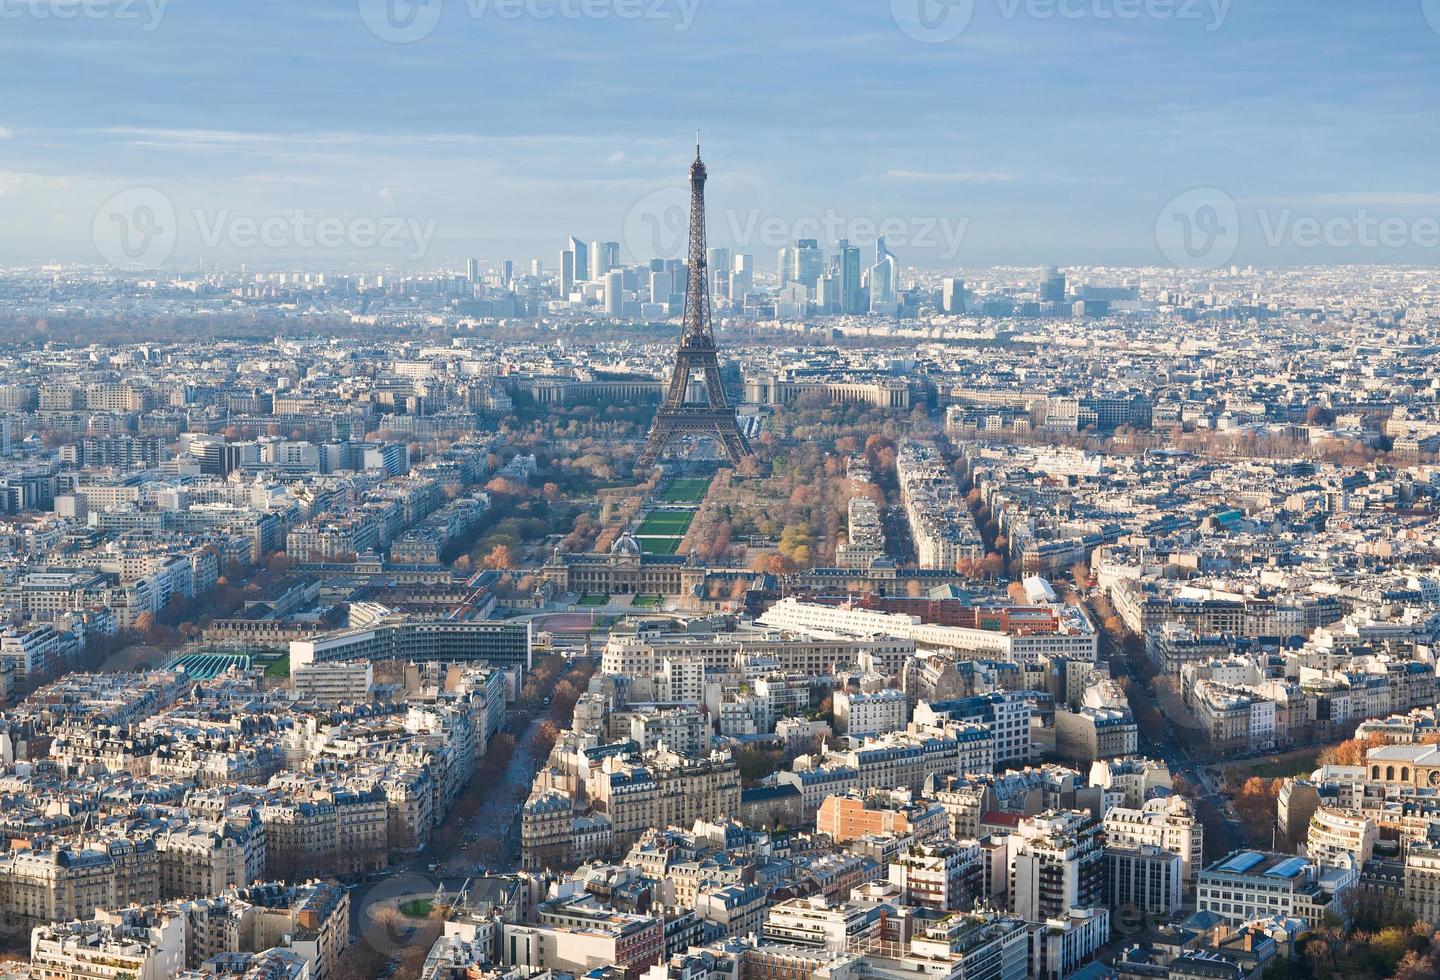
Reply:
x=660, y=545
x=666, y=522
x=687, y=491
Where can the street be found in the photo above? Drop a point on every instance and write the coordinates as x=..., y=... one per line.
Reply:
x=457, y=851
x=1223, y=832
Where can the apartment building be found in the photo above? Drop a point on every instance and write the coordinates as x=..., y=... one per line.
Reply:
x=1057, y=863
x=854, y=815
x=1146, y=880
x=662, y=789
x=943, y=876
x=1340, y=838
x=1248, y=884
x=872, y=713
x=1168, y=823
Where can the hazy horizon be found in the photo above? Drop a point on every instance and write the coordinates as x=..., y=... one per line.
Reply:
x=497, y=128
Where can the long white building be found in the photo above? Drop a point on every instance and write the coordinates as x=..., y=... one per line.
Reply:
x=1074, y=636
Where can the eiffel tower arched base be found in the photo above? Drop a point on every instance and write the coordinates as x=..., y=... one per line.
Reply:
x=672, y=425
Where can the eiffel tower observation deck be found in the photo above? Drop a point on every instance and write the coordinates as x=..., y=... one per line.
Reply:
x=678, y=420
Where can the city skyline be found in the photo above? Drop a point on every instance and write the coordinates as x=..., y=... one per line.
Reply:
x=975, y=514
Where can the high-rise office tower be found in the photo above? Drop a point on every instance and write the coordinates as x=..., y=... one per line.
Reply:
x=952, y=295
x=884, y=279
x=507, y=272
x=662, y=285
x=472, y=270
x=809, y=262
x=1052, y=290
x=720, y=263
x=742, y=280
x=535, y=268
x=614, y=292
x=604, y=256
x=827, y=294
x=581, y=252
x=847, y=270
x=679, y=284
x=785, y=267
x=567, y=273
x=882, y=286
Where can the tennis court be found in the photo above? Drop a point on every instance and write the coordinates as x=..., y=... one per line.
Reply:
x=203, y=666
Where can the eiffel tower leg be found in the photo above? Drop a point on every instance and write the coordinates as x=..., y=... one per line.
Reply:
x=660, y=436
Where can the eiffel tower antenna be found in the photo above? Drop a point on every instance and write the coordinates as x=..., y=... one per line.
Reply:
x=696, y=354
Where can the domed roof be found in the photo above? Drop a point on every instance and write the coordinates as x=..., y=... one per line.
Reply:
x=627, y=546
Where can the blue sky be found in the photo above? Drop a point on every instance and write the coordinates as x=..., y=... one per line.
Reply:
x=1046, y=131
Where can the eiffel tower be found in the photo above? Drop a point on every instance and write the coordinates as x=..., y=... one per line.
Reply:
x=676, y=418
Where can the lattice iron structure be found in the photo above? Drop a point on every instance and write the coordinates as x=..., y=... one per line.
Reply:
x=676, y=419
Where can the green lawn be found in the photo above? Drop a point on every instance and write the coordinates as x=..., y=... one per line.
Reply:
x=647, y=601
x=278, y=669
x=660, y=545
x=593, y=600
x=1301, y=762
x=663, y=522
x=419, y=908
x=687, y=491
